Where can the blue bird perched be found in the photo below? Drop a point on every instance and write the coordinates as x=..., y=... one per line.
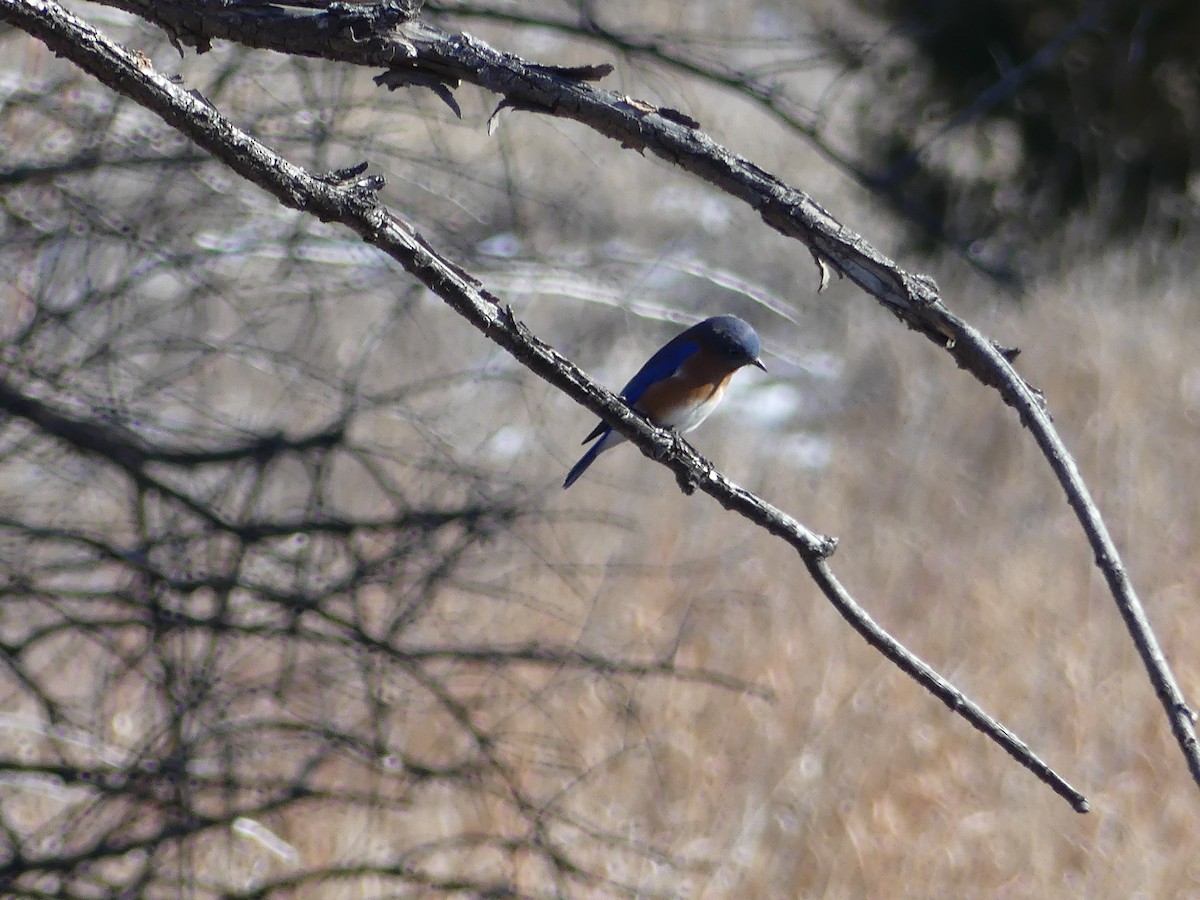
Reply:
x=683, y=382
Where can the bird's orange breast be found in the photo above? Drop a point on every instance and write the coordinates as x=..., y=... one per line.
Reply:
x=688, y=396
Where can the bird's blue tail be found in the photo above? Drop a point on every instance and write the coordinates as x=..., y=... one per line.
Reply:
x=584, y=461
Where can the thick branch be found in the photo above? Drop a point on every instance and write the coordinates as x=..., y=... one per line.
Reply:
x=762, y=93
x=355, y=208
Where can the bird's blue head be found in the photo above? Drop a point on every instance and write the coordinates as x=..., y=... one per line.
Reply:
x=733, y=339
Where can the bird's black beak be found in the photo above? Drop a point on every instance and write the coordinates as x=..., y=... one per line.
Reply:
x=759, y=363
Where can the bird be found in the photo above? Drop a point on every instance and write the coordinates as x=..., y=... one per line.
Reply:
x=682, y=383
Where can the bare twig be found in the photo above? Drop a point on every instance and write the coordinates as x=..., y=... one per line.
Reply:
x=1031, y=406
x=356, y=209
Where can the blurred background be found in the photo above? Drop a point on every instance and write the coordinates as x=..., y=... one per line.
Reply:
x=292, y=604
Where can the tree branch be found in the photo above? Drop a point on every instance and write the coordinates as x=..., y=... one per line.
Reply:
x=912, y=298
x=760, y=92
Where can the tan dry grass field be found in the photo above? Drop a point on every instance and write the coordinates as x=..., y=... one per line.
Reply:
x=852, y=782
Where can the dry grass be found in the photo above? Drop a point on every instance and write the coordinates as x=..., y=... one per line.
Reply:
x=852, y=782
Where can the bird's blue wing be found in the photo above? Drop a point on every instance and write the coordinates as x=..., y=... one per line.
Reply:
x=661, y=366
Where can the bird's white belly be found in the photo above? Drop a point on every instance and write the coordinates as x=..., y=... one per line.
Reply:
x=688, y=417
